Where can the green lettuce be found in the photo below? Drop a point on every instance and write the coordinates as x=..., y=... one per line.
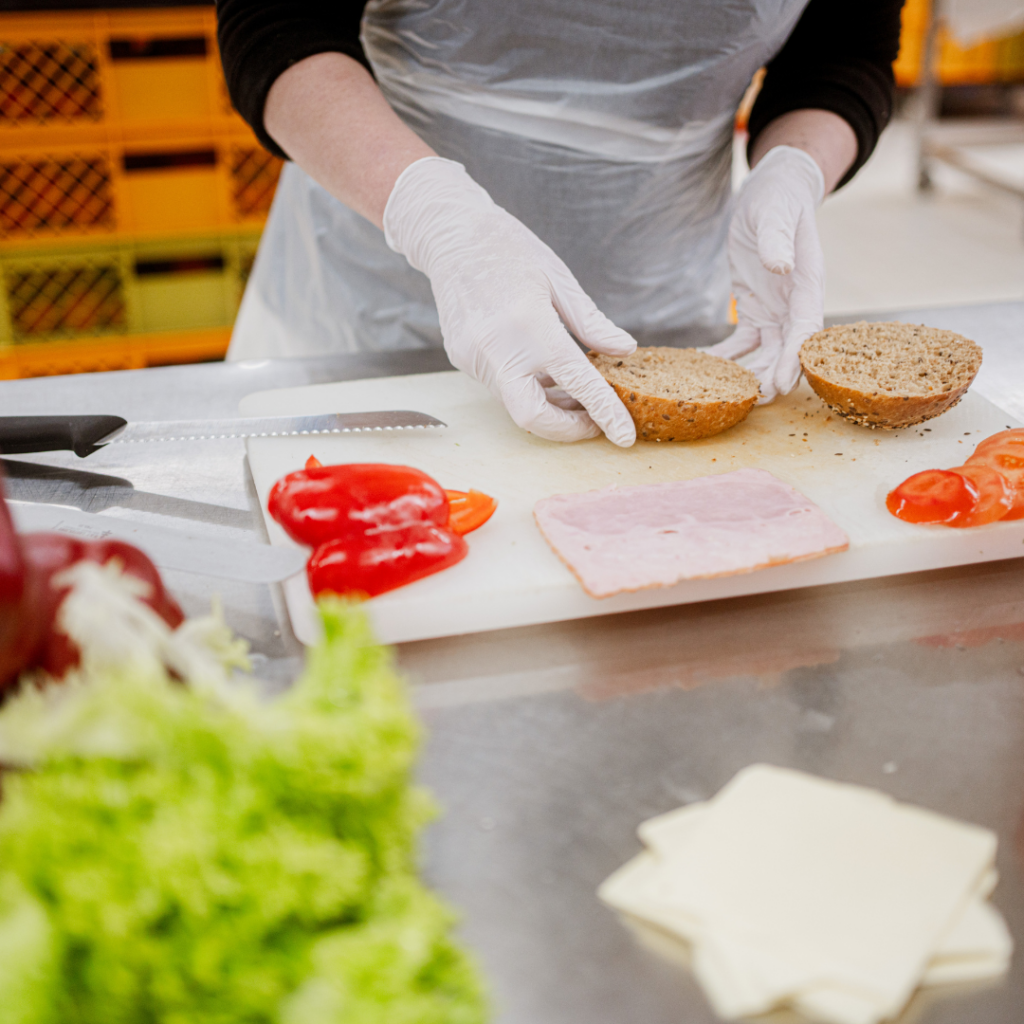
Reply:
x=176, y=854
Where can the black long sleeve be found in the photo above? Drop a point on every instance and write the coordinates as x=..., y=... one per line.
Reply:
x=838, y=58
x=261, y=39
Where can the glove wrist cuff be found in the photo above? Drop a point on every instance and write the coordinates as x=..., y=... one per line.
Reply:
x=428, y=196
x=800, y=164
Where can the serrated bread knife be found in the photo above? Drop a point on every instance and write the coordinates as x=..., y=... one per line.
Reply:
x=225, y=559
x=84, y=435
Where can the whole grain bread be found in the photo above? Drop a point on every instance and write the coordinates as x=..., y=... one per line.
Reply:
x=889, y=375
x=679, y=394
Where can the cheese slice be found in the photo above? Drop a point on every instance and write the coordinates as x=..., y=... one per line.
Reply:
x=857, y=889
x=667, y=832
x=832, y=1005
x=737, y=985
x=633, y=890
x=978, y=947
x=834, y=899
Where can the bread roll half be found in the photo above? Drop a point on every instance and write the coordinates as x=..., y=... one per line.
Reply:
x=889, y=375
x=679, y=394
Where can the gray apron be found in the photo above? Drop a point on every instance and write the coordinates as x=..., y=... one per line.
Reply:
x=605, y=126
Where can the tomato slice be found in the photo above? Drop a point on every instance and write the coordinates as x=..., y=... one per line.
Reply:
x=995, y=495
x=469, y=510
x=933, y=496
x=1011, y=438
x=1006, y=458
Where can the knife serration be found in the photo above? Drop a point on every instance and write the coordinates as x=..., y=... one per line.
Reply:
x=270, y=426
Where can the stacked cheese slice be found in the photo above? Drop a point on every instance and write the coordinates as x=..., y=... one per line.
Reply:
x=832, y=899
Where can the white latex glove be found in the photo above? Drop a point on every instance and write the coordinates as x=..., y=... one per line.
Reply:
x=499, y=291
x=778, y=269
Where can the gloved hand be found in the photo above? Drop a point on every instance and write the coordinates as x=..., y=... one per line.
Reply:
x=778, y=270
x=499, y=291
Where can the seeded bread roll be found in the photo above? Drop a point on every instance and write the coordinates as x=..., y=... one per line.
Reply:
x=679, y=394
x=889, y=375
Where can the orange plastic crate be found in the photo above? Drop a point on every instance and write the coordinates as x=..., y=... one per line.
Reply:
x=89, y=74
x=117, y=123
x=169, y=186
x=128, y=353
x=131, y=195
x=986, y=62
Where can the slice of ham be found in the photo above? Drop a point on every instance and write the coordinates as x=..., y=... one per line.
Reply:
x=617, y=540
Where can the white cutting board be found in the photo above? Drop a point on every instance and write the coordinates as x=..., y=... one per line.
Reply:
x=512, y=578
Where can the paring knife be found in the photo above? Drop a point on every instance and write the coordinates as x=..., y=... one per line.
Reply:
x=84, y=435
x=169, y=549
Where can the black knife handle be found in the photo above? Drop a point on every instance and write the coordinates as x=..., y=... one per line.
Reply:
x=77, y=434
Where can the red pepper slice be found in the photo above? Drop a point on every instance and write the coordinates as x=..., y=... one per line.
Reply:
x=374, y=564
x=374, y=527
x=469, y=510
x=933, y=496
x=328, y=503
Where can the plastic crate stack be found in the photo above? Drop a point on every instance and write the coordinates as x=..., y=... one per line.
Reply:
x=988, y=62
x=131, y=195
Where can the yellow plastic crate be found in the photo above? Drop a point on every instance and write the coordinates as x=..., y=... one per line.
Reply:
x=84, y=293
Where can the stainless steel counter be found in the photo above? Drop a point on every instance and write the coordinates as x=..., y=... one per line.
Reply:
x=549, y=744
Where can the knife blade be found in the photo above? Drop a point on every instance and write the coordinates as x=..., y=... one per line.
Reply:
x=84, y=435
x=169, y=549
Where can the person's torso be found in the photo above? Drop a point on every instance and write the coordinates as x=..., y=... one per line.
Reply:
x=585, y=74
x=606, y=126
